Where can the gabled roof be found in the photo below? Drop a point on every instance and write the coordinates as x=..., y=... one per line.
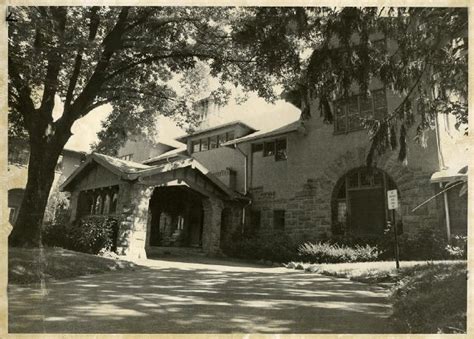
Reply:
x=129, y=170
x=183, y=163
x=215, y=128
x=285, y=129
x=119, y=167
x=170, y=154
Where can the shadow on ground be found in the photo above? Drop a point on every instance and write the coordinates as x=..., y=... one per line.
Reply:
x=170, y=297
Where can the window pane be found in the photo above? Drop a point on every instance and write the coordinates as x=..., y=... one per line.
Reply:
x=354, y=180
x=268, y=149
x=353, y=106
x=339, y=108
x=213, y=142
x=366, y=108
x=204, y=144
x=223, y=138
x=280, y=152
x=364, y=179
x=196, y=146
x=279, y=219
x=380, y=100
x=257, y=148
x=354, y=122
x=340, y=124
x=230, y=136
x=378, y=178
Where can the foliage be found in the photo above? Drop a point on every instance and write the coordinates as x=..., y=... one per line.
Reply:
x=277, y=247
x=91, y=234
x=422, y=58
x=433, y=299
x=333, y=253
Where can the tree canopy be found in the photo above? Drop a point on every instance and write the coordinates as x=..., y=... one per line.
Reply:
x=127, y=57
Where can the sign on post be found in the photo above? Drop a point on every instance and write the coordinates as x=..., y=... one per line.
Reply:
x=392, y=198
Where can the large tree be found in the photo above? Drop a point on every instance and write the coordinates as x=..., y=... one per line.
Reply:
x=92, y=56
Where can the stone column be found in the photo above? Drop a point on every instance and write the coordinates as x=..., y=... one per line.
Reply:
x=74, y=204
x=134, y=220
x=211, y=232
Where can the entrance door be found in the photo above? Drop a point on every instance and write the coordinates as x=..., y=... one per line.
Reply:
x=367, y=208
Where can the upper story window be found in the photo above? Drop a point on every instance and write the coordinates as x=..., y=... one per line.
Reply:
x=276, y=148
x=127, y=157
x=208, y=143
x=348, y=112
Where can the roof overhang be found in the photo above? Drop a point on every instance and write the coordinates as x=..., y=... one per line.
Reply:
x=449, y=175
x=185, y=137
x=296, y=126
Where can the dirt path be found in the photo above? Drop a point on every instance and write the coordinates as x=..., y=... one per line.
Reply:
x=207, y=297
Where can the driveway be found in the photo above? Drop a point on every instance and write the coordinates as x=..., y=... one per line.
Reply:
x=210, y=296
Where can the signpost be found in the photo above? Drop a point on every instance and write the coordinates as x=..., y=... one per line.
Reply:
x=392, y=198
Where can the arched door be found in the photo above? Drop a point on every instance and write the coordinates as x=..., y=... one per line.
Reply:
x=359, y=203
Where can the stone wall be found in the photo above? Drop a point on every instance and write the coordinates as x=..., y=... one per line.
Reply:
x=308, y=211
x=133, y=203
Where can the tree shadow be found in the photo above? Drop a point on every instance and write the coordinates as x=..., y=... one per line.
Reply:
x=199, y=300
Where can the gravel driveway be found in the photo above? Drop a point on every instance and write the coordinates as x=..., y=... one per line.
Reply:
x=209, y=296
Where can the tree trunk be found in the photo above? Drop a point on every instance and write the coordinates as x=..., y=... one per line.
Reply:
x=44, y=156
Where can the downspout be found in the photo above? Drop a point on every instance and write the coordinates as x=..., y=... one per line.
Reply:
x=442, y=166
x=245, y=184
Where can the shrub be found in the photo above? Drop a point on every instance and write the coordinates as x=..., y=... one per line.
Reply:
x=333, y=253
x=90, y=234
x=277, y=247
x=57, y=235
x=93, y=234
x=433, y=299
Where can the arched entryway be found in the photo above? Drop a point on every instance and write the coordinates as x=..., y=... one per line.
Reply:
x=359, y=206
x=176, y=217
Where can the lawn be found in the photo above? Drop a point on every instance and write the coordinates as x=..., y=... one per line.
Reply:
x=53, y=263
x=427, y=297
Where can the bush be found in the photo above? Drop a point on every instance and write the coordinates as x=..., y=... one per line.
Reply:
x=94, y=233
x=433, y=299
x=277, y=247
x=90, y=234
x=57, y=235
x=320, y=253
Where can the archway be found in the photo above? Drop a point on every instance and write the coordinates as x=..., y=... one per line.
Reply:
x=176, y=217
x=358, y=202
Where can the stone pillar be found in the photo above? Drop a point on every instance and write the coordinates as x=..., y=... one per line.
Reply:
x=134, y=220
x=211, y=232
x=74, y=204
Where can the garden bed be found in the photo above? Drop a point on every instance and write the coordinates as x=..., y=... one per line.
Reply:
x=27, y=265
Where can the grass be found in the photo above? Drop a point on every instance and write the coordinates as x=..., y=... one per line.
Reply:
x=372, y=272
x=31, y=265
x=427, y=297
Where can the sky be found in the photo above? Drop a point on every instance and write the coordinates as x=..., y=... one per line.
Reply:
x=255, y=111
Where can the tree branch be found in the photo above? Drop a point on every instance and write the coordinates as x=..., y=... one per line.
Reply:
x=54, y=64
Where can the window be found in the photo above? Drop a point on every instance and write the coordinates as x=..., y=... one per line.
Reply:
x=213, y=142
x=107, y=204
x=268, y=149
x=127, y=157
x=113, y=205
x=348, y=112
x=196, y=146
x=279, y=219
x=280, y=150
x=98, y=205
x=204, y=144
x=223, y=138
x=257, y=148
x=230, y=136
